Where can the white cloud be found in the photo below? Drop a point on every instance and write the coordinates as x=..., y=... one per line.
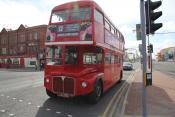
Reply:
x=120, y=11
x=126, y=29
x=124, y=14
x=16, y=13
x=167, y=42
x=131, y=43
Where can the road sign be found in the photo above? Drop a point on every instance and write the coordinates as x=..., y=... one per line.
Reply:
x=138, y=31
x=140, y=47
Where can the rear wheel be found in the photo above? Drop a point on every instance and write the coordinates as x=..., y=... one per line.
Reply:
x=50, y=94
x=94, y=97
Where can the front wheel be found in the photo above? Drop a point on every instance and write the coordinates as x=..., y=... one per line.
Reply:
x=94, y=97
x=50, y=94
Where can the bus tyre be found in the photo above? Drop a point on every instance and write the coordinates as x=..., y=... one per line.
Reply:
x=50, y=94
x=94, y=97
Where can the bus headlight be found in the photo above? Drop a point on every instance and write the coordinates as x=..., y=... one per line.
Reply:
x=47, y=80
x=84, y=84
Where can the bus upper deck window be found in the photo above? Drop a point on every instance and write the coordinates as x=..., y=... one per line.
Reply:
x=80, y=14
x=60, y=16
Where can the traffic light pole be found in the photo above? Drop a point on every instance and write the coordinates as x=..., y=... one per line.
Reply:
x=144, y=57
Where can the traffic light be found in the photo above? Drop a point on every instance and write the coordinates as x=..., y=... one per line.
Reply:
x=151, y=16
x=150, y=48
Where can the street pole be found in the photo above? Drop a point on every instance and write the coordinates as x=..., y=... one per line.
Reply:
x=144, y=57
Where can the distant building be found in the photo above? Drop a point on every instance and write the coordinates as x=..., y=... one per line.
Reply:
x=166, y=54
x=23, y=47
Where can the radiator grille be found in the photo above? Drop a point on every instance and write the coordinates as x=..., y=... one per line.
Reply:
x=64, y=86
x=69, y=85
x=57, y=84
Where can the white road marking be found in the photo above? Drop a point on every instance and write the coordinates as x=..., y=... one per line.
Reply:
x=48, y=109
x=14, y=98
x=38, y=106
x=7, y=96
x=69, y=115
x=20, y=100
x=11, y=114
x=58, y=112
x=3, y=111
x=2, y=95
x=29, y=103
x=37, y=85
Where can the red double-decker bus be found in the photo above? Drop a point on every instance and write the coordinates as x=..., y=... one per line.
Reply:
x=84, y=51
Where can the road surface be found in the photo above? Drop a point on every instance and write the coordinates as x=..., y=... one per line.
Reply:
x=165, y=67
x=22, y=95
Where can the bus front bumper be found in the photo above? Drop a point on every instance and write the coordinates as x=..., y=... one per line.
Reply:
x=65, y=86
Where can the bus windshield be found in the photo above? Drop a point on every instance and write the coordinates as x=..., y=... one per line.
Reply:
x=72, y=15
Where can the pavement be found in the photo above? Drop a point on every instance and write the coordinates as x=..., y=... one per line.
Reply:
x=160, y=96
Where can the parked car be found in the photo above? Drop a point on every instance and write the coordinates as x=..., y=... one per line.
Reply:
x=127, y=66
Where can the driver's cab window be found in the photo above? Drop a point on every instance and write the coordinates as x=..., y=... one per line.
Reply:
x=71, y=55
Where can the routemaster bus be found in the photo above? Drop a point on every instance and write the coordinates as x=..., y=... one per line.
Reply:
x=83, y=51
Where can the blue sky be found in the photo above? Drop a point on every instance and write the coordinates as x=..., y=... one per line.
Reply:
x=123, y=13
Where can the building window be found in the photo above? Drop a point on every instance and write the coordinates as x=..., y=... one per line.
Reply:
x=4, y=50
x=10, y=51
x=21, y=48
x=32, y=62
x=15, y=61
x=22, y=38
x=30, y=36
x=13, y=39
x=3, y=61
x=36, y=36
x=3, y=40
x=33, y=49
x=14, y=51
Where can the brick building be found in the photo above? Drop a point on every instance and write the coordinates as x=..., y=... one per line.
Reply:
x=166, y=54
x=23, y=47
